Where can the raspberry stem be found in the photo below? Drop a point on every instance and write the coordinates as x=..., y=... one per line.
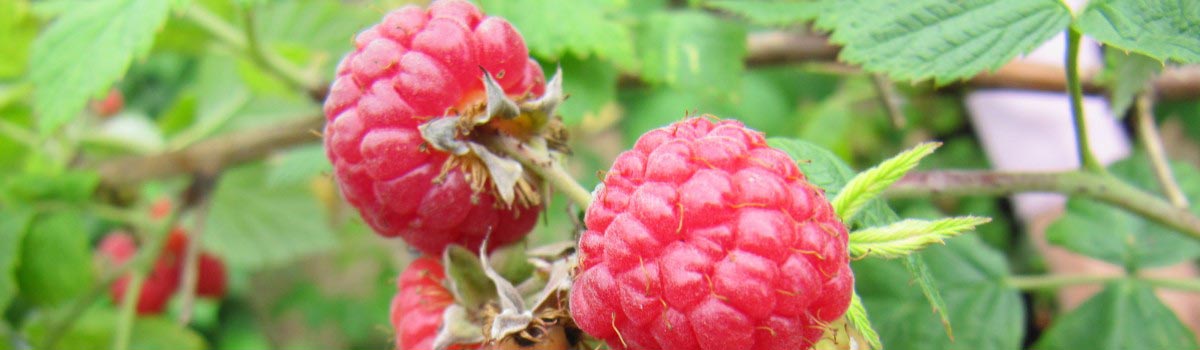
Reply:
x=551, y=171
x=128, y=309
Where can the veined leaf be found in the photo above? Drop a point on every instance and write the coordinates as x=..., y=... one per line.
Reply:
x=914, y=40
x=554, y=28
x=870, y=183
x=1126, y=74
x=1133, y=317
x=87, y=49
x=1163, y=29
x=772, y=13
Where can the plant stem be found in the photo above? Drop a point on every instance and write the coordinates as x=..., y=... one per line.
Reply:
x=124, y=329
x=1086, y=159
x=890, y=100
x=1101, y=187
x=549, y=170
x=1152, y=142
x=1187, y=285
x=1052, y=282
x=191, y=258
x=247, y=43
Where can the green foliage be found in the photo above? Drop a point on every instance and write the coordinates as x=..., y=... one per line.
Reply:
x=1125, y=75
x=986, y=313
x=856, y=315
x=97, y=327
x=17, y=28
x=691, y=50
x=907, y=236
x=1117, y=236
x=56, y=263
x=253, y=225
x=86, y=50
x=827, y=171
x=940, y=40
x=298, y=167
x=1132, y=318
x=1162, y=29
x=13, y=226
x=772, y=13
x=553, y=29
x=869, y=184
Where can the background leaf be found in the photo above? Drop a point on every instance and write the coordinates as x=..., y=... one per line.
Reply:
x=252, y=225
x=56, y=261
x=1133, y=318
x=943, y=40
x=1114, y=235
x=772, y=13
x=13, y=225
x=986, y=313
x=1163, y=29
x=1125, y=75
x=98, y=326
x=583, y=28
x=692, y=50
x=86, y=50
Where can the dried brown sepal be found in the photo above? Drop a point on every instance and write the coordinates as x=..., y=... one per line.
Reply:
x=471, y=137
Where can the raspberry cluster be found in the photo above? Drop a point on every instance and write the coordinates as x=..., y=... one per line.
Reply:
x=164, y=278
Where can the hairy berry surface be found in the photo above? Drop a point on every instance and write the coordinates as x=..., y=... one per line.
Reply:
x=704, y=237
x=416, y=310
x=414, y=66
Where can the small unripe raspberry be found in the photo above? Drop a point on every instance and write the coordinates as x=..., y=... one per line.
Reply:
x=704, y=237
x=414, y=66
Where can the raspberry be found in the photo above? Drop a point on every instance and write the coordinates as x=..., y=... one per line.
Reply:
x=110, y=105
x=416, y=311
x=704, y=237
x=164, y=278
x=414, y=66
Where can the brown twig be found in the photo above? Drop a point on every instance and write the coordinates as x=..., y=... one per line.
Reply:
x=213, y=154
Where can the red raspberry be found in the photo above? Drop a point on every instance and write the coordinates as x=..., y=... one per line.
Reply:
x=110, y=105
x=414, y=66
x=164, y=279
x=704, y=237
x=416, y=311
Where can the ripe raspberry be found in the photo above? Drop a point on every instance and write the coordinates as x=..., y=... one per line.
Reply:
x=415, y=66
x=110, y=105
x=416, y=310
x=164, y=278
x=703, y=237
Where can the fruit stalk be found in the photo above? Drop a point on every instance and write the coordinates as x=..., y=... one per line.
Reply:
x=1101, y=187
x=552, y=172
x=128, y=310
x=1087, y=159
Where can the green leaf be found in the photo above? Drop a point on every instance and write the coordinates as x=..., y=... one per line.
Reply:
x=771, y=13
x=1125, y=75
x=905, y=237
x=96, y=328
x=554, y=28
x=943, y=40
x=56, y=262
x=1134, y=318
x=1104, y=232
x=298, y=166
x=75, y=187
x=918, y=268
x=591, y=83
x=252, y=225
x=986, y=313
x=692, y=50
x=1162, y=29
x=470, y=285
x=870, y=183
x=18, y=29
x=87, y=49
x=857, y=317
x=13, y=226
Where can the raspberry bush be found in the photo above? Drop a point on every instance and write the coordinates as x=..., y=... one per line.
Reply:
x=548, y=175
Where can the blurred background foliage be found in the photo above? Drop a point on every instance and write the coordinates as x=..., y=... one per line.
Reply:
x=306, y=273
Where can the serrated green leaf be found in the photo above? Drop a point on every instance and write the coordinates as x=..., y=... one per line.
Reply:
x=13, y=226
x=252, y=225
x=987, y=314
x=554, y=28
x=856, y=315
x=96, y=328
x=87, y=49
x=1134, y=318
x=771, y=13
x=918, y=268
x=298, y=166
x=56, y=262
x=907, y=236
x=1125, y=75
x=870, y=183
x=692, y=50
x=1114, y=235
x=941, y=40
x=1162, y=29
